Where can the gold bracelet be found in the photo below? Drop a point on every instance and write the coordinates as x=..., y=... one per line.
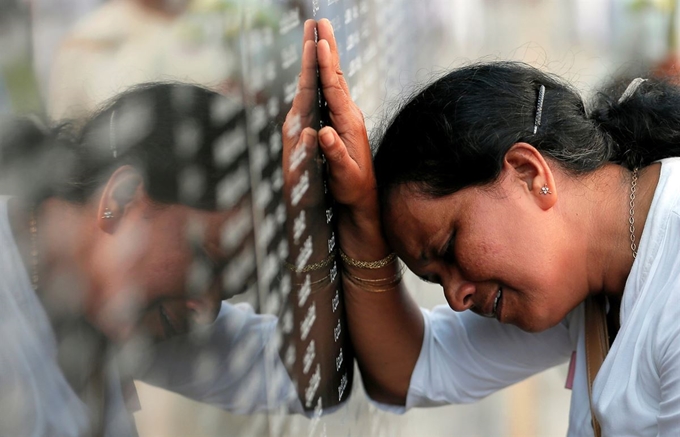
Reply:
x=311, y=267
x=312, y=283
x=375, y=285
x=372, y=265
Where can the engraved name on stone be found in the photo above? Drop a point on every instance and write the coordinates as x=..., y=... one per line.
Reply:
x=270, y=71
x=229, y=147
x=329, y=215
x=282, y=249
x=281, y=214
x=264, y=194
x=354, y=66
x=348, y=16
x=270, y=268
x=334, y=271
x=338, y=361
x=298, y=155
x=305, y=254
x=289, y=56
x=285, y=285
x=287, y=322
x=342, y=386
x=289, y=91
x=258, y=118
x=305, y=290
x=259, y=157
x=273, y=107
x=239, y=269
x=289, y=355
x=275, y=142
x=308, y=322
x=313, y=386
x=331, y=243
x=299, y=226
x=337, y=331
x=236, y=229
x=232, y=188
x=352, y=40
x=289, y=21
x=300, y=189
x=223, y=109
x=267, y=232
x=336, y=300
x=308, y=359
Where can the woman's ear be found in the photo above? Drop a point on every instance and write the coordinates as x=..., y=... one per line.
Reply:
x=526, y=165
x=124, y=190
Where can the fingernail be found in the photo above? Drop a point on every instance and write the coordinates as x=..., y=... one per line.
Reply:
x=327, y=138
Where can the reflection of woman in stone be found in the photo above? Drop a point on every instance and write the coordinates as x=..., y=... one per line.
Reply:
x=111, y=240
x=495, y=182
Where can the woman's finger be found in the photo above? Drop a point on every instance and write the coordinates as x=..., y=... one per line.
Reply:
x=305, y=99
x=325, y=32
x=308, y=31
x=340, y=105
x=340, y=164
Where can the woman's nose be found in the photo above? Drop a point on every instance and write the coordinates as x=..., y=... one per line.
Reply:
x=459, y=294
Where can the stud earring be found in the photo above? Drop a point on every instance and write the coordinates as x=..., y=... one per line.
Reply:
x=108, y=215
x=545, y=190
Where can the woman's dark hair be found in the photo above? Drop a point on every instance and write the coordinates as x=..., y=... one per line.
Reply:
x=456, y=131
x=172, y=133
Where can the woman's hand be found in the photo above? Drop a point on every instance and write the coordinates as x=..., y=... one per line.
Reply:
x=351, y=177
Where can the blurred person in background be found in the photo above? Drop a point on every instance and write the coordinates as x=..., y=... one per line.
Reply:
x=127, y=42
x=498, y=183
x=109, y=257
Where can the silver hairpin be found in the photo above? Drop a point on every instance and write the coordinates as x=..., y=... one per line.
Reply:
x=112, y=136
x=630, y=90
x=539, y=108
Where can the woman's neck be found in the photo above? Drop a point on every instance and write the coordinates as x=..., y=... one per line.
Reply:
x=609, y=249
x=55, y=253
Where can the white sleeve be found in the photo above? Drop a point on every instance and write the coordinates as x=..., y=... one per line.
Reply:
x=233, y=364
x=466, y=357
x=668, y=360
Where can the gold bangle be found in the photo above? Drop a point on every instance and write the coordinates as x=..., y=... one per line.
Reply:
x=372, y=265
x=312, y=283
x=311, y=267
x=375, y=285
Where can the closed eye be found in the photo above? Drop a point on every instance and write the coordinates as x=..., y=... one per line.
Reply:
x=447, y=252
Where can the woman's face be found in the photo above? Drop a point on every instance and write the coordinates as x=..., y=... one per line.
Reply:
x=493, y=249
x=159, y=271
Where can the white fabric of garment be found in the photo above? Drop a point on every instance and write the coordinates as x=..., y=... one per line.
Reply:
x=466, y=357
x=233, y=365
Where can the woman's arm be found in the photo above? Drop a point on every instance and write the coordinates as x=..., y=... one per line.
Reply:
x=386, y=328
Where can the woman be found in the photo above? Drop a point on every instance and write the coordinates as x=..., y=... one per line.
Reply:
x=111, y=241
x=496, y=182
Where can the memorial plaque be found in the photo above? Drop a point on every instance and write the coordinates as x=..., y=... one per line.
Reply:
x=279, y=235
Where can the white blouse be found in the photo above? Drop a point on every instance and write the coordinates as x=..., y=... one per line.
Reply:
x=465, y=357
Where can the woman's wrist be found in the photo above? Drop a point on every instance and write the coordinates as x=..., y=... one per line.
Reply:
x=361, y=236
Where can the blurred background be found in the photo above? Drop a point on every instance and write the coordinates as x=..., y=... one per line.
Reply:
x=64, y=58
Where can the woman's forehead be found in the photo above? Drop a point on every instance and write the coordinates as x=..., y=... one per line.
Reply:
x=414, y=222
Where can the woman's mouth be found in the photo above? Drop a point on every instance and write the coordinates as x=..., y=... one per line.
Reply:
x=497, y=302
x=494, y=313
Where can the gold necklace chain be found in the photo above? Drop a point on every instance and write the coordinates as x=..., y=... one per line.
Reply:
x=631, y=218
x=33, y=226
